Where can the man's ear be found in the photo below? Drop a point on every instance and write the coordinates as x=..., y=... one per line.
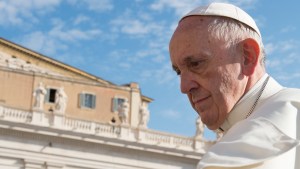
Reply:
x=250, y=51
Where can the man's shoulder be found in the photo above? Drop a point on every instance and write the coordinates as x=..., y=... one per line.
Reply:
x=281, y=109
x=287, y=94
x=288, y=90
x=283, y=100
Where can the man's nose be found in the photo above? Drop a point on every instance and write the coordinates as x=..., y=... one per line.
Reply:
x=187, y=82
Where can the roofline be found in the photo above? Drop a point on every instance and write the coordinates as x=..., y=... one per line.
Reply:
x=147, y=99
x=52, y=61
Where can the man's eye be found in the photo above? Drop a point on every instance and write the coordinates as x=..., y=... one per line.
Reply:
x=177, y=71
x=195, y=64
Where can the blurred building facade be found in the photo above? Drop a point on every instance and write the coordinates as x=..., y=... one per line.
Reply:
x=55, y=116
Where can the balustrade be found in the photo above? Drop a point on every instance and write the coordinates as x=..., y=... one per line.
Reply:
x=140, y=135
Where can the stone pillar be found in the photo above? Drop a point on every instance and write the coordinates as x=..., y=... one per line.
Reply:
x=141, y=135
x=198, y=144
x=124, y=132
x=135, y=103
x=58, y=120
x=38, y=118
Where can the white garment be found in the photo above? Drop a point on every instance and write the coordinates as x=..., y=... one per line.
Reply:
x=267, y=139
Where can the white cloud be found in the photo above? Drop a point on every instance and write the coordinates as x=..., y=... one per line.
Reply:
x=270, y=48
x=171, y=114
x=273, y=63
x=160, y=76
x=16, y=12
x=288, y=29
x=125, y=65
x=283, y=46
x=38, y=4
x=244, y=4
x=81, y=19
x=73, y=35
x=291, y=58
x=290, y=77
x=9, y=14
x=55, y=40
x=43, y=43
x=94, y=5
x=288, y=45
x=102, y=5
x=159, y=58
x=64, y=33
x=182, y=7
x=135, y=26
x=282, y=54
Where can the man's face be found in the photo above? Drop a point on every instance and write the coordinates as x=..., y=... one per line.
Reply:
x=209, y=74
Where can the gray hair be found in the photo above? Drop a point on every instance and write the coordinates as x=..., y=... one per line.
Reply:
x=231, y=32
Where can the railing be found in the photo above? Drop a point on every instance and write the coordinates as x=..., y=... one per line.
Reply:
x=77, y=124
x=124, y=132
x=157, y=138
x=179, y=141
x=15, y=115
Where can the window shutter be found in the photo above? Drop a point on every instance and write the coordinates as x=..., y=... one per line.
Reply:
x=93, y=101
x=115, y=104
x=81, y=99
x=47, y=96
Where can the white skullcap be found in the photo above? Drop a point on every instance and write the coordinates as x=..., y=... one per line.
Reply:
x=225, y=10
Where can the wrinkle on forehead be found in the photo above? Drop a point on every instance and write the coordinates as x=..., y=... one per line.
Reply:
x=189, y=24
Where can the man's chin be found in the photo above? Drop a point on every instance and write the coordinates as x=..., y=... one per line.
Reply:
x=210, y=125
x=213, y=127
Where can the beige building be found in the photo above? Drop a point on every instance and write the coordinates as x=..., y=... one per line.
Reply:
x=55, y=116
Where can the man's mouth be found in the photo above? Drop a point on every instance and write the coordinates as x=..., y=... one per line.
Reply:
x=200, y=100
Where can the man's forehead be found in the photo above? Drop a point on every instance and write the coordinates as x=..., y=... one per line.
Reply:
x=191, y=28
x=193, y=22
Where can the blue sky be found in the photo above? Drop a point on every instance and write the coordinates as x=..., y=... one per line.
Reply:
x=126, y=41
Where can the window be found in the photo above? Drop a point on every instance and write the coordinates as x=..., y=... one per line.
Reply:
x=87, y=100
x=117, y=102
x=50, y=97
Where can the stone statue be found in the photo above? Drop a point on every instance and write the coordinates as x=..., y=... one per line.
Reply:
x=60, y=101
x=199, y=128
x=123, y=112
x=39, y=95
x=144, y=115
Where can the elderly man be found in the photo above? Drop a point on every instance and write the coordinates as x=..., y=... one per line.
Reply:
x=218, y=53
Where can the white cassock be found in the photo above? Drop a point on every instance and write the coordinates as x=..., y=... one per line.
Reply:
x=267, y=139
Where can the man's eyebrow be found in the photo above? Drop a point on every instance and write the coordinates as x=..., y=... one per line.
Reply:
x=185, y=61
x=190, y=58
